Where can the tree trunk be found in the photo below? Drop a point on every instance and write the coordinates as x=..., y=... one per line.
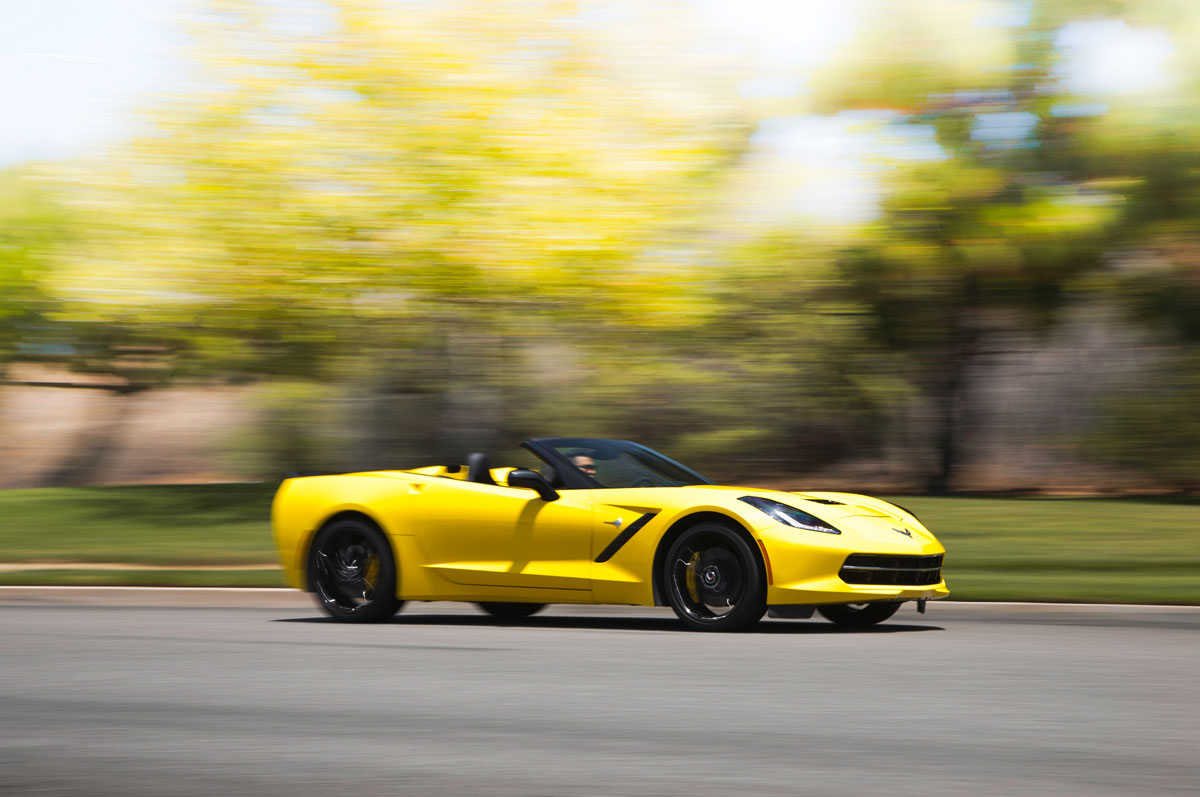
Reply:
x=95, y=445
x=951, y=395
x=941, y=481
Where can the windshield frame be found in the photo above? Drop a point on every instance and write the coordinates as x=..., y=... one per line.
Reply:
x=575, y=479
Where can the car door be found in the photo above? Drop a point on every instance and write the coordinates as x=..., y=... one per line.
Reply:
x=495, y=535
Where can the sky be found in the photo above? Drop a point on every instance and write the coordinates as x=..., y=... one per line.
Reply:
x=74, y=72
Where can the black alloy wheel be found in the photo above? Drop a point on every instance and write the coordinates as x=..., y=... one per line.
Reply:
x=713, y=580
x=353, y=573
x=508, y=612
x=859, y=615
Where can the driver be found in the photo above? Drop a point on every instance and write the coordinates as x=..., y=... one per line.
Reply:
x=584, y=461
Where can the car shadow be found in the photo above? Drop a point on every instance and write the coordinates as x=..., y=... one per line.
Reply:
x=666, y=625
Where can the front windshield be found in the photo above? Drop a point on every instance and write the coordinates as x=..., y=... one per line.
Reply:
x=619, y=463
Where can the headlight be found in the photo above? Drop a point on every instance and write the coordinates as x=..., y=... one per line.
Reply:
x=789, y=515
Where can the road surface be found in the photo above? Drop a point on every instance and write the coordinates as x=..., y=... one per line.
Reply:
x=178, y=692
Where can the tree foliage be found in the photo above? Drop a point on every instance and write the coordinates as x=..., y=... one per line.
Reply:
x=440, y=226
x=1025, y=201
x=34, y=226
x=388, y=200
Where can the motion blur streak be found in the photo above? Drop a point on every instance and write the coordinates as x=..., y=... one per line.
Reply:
x=947, y=246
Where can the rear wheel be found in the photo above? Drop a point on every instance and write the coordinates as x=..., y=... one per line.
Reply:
x=353, y=573
x=713, y=580
x=858, y=615
x=511, y=611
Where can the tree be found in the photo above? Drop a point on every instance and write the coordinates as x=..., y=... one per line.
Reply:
x=993, y=233
x=391, y=199
x=34, y=224
x=1139, y=145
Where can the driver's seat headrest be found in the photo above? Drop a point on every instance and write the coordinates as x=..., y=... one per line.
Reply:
x=479, y=469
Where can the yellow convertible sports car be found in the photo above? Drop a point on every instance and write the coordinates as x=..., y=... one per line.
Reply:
x=599, y=521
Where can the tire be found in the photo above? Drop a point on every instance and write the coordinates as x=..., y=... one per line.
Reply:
x=858, y=615
x=712, y=579
x=507, y=612
x=352, y=572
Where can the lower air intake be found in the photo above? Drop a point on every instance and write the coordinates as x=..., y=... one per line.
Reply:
x=890, y=570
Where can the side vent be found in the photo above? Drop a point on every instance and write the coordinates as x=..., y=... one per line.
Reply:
x=624, y=537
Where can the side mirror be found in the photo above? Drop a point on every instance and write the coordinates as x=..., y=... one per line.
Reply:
x=533, y=480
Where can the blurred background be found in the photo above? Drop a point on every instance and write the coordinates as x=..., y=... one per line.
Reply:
x=915, y=246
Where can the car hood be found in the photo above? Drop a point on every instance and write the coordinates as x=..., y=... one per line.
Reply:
x=871, y=519
x=825, y=505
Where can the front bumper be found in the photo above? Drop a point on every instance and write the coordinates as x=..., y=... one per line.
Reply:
x=805, y=569
x=834, y=590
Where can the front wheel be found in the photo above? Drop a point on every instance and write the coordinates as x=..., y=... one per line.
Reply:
x=713, y=580
x=511, y=611
x=353, y=573
x=858, y=615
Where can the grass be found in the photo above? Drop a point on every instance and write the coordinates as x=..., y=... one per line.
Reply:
x=194, y=524
x=144, y=578
x=1128, y=550
x=1096, y=550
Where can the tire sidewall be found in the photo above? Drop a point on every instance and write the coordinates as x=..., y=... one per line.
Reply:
x=753, y=604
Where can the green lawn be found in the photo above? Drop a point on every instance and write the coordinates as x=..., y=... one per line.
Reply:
x=144, y=578
x=1074, y=549
x=194, y=524
x=1122, y=550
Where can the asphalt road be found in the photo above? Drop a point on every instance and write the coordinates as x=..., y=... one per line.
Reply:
x=99, y=698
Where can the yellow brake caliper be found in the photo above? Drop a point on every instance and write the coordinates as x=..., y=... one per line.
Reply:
x=372, y=573
x=690, y=578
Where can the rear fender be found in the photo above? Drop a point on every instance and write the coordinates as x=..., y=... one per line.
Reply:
x=302, y=506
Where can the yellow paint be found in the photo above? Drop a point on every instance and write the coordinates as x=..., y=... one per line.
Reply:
x=458, y=540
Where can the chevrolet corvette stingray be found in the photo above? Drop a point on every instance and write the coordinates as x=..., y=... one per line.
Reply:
x=603, y=522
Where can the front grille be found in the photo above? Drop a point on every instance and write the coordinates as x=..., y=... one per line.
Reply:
x=891, y=570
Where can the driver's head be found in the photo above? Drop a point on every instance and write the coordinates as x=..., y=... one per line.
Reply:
x=584, y=461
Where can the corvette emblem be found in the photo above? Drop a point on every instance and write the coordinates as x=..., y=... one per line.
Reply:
x=615, y=523
x=905, y=532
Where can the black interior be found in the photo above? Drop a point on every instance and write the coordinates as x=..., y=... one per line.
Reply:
x=551, y=475
x=479, y=469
